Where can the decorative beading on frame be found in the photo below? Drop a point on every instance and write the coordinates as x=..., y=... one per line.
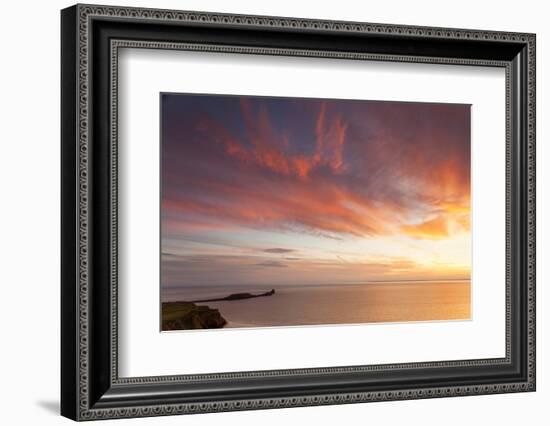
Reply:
x=85, y=13
x=82, y=173
x=531, y=202
x=303, y=401
x=305, y=24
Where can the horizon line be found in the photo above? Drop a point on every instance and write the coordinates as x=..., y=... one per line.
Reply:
x=349, y=283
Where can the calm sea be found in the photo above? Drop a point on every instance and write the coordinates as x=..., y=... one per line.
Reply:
x=338, y=304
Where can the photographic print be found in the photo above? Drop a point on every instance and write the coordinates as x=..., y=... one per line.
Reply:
x=282, y=211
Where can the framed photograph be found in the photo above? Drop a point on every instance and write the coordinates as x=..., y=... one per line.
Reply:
x=263, y=212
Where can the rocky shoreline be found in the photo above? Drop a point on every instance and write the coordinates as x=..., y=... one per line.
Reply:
x=190, y=316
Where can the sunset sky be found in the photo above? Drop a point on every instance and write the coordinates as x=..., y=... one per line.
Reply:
x=290, y=191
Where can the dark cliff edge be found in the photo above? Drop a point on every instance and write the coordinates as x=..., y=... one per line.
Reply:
x=188, y=316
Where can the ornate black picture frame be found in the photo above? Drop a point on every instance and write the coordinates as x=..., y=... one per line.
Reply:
x=90, y=38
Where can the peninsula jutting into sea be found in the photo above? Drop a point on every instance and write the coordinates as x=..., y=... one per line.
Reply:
x=189, y=315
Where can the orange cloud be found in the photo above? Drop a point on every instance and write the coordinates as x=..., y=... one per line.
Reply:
x=432, y=229
x=267, y=148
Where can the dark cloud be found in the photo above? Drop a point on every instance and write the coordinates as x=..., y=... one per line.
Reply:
x=278, y=250
x=272, y=264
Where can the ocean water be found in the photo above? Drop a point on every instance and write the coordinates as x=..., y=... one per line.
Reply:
x=336, y=304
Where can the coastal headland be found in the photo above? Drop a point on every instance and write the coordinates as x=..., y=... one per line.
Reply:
x=187, y=315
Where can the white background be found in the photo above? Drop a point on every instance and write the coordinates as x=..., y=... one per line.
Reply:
x=146, y=352
x=29, y=225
